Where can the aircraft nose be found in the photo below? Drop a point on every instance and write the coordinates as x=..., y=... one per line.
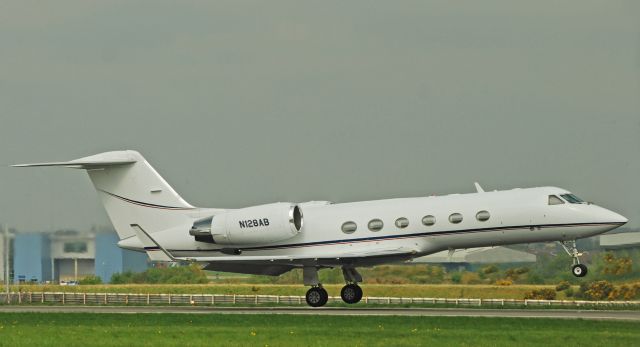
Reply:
x=613, y=217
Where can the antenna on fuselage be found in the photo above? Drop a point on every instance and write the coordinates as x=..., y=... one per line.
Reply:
x=478, y=188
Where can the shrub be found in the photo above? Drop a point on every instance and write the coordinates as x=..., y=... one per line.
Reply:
x=617, y=266
x=541, y=294
x=456, y=277
x=122, y=278
x=191, y=274
x=564, y=285
x=598, y=290
x=504, y=282
x=511, y=273
x=624, y=292
x=490, y=269
x=91, y=279
x=601, y=290
x=469, y=278
x=535, y=279
x=636, y=291
x=569, y=292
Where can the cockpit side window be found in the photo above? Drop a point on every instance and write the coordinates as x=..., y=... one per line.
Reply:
x=572, y=199
x=554, y=200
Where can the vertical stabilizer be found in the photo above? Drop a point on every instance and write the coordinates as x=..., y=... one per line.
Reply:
x=132, y=192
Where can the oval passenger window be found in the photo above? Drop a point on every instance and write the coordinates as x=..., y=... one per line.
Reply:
x=349, y=227
x=455, y=218
x=402, y=222
x=429, y=220
x=483, y=216
x=375, y=225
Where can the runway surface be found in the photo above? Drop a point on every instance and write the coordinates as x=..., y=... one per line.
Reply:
x=433, y=312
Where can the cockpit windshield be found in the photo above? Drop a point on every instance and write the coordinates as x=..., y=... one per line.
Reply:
x=554, y=200
x=572, y=199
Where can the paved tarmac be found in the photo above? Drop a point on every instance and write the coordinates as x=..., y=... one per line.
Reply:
x=433, y=312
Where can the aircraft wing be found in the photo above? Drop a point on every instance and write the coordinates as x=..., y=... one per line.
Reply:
x=157, y=252
x=381, y=252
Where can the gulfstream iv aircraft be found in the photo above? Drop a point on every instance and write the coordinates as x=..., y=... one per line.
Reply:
x=271, y=239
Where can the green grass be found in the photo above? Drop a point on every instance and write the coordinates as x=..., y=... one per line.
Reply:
x=82, y=329
x=478, y=291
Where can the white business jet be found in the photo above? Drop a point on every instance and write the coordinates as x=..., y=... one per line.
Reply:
x=271, y=239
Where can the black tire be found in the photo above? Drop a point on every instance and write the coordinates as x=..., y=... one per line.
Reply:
x=325, y=296
x=579, y=270
x=359, y=296
x=351, y=293
x=316, y=297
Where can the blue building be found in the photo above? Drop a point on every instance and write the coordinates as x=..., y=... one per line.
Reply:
x=32, y=262
x=70, y=255
x=112, y=259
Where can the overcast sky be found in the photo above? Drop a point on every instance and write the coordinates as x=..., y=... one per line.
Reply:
x=238, y=103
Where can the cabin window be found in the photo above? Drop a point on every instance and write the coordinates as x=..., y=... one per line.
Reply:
x=349, y=227
x=554, y=200
x=375, y=225
x=572, y=199
x=455, y=218
x=429, y=220
x=402, y=222
x=483, y=216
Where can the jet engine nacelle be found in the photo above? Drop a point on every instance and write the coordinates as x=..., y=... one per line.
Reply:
x=256, y=224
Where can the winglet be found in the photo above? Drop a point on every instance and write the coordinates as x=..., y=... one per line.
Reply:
x=478, y=188
x=153, y=248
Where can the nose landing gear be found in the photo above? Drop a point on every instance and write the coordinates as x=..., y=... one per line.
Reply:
x=578, y=270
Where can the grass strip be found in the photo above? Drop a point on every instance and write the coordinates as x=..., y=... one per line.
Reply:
x=81, y=329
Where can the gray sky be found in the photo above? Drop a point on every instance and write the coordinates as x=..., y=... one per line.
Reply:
x=239, y=103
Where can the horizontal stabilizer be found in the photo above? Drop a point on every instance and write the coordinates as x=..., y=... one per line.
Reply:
x=91, y=162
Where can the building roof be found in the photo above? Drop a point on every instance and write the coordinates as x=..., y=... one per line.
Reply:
x=620, y=240
x=481, y=255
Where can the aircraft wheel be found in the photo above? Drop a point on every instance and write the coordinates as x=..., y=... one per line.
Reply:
x=579, y=270
x=351, y=293
x=317, y=296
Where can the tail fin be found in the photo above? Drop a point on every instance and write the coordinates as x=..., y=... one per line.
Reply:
x=132, y=192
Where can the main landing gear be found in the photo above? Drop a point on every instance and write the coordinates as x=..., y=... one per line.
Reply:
x=351, y=293
x=317, y=296
x=578, y=270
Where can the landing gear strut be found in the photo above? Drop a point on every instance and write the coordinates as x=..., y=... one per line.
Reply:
x=351, y=293
x=578, y=270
